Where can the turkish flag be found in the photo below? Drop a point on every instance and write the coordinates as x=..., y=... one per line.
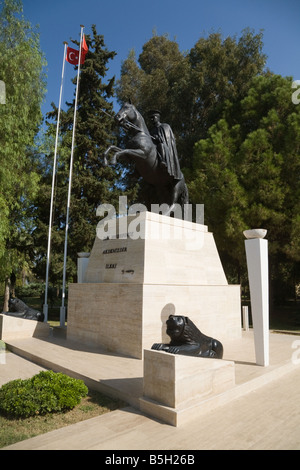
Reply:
x=84, y=47
x=73, y=55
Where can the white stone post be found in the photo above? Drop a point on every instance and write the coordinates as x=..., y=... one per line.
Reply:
x=258, y=274
x=245, y=318
x=82, y=263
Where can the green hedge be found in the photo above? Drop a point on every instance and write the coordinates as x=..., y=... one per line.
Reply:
x=33, y=289
x=44, y=393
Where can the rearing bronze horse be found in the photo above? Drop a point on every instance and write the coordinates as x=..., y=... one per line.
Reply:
x=143, y=152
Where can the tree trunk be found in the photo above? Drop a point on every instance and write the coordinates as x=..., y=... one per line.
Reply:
x=6, y=295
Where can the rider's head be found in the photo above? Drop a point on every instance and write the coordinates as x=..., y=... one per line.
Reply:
x=154, y=116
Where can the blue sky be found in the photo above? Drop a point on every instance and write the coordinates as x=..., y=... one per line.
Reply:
x=128, y=24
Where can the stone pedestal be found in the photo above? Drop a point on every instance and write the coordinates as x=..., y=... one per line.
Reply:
x=176, y=386
x=15, y=328
x=132, y=284
x=155, y=249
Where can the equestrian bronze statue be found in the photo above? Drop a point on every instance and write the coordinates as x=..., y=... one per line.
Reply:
x=154, y=157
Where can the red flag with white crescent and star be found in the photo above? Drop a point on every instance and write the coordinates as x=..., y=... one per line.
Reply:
x=73, y=55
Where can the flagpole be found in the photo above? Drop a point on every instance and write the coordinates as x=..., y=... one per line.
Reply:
x=62, y=308
x=45, y=306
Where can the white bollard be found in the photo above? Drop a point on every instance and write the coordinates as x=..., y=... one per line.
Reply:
x=245, y=318
x=258, y=273
x=82, y=263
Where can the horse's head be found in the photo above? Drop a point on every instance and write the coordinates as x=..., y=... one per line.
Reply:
x=127, y=113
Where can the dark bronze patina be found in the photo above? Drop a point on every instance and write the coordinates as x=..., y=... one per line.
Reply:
x=18, y=308
x=188, y=340
x=155, y=157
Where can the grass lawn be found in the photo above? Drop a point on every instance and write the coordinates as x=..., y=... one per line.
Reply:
x=95, y=404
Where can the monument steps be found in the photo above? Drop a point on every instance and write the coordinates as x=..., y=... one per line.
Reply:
x=121, y=376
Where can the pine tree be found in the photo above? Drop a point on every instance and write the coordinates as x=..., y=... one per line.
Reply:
x=246, y=172
x=92, y=183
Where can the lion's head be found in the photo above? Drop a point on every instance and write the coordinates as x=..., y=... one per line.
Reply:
x=182, y=330
x=17, y=305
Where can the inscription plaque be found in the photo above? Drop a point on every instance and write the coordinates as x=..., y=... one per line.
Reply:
x=111, y=266
x=114, y=250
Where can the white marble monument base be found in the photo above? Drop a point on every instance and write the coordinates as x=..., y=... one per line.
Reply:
x=132, y=285
x=176, y=386
x=163, y=251
x=127, y=318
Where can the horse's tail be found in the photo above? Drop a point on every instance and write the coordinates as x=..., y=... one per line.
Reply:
x=184, y=194
x=184, y=198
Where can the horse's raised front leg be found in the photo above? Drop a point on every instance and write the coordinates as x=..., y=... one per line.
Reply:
x=113, y=159
x=132, y=153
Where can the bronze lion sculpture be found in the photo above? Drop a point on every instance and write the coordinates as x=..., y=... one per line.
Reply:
x=188, y=340
x=18, y=308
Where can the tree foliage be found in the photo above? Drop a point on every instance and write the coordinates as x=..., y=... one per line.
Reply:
x=247, y=172
x=191, y=88
x=237, y=133
x=22, y=65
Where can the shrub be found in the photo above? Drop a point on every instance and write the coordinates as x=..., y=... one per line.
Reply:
x=44, y=393
x=34, y=289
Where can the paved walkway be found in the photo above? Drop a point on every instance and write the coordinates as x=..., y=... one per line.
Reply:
x=15, y=367
x=268, y=417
